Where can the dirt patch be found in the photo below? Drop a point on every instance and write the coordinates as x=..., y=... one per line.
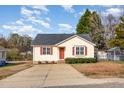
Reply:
x=13, y=68
x=101, y=69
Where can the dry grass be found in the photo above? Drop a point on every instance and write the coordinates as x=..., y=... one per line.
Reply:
x=13, y=68
x=101, y=69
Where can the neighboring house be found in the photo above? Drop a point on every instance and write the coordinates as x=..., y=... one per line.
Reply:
x=115, y=54
x=2, y=55
x=56, y=47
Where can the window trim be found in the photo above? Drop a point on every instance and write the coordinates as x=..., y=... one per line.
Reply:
x=80, y=46
x=46, y=50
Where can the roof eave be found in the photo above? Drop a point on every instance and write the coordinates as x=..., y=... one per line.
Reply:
x=86, y=40
x=42, y=45
x=72, y=37
x=64, y=40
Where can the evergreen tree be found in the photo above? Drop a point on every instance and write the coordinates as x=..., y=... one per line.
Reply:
x=84, y=23
x=90, y=23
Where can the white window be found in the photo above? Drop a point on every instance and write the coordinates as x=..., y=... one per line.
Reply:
x=79, y=50
x=46, y=50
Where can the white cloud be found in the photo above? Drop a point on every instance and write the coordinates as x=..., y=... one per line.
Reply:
x=39, y=21
x=23, y=29
x=48, y=19
x=114, y=11
x=36, y=9
x=19, y=22
x=6, y=27
x=29, y=21
x=68, y=8
x=26, y=12
x=45, y=24
x=26, y=28
x=36, y=12
x=79, y=14
x=33, y=15
x=20, y=29
x=9, y=27
x=40, y=7
x=65, y=27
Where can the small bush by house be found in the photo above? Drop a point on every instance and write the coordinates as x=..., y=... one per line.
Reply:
x=80, y=60
x=15, y=55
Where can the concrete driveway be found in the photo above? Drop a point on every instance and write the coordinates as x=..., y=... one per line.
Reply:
x=51, y=75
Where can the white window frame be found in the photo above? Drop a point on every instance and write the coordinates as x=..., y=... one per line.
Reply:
x=46, y=50
x=80, y=46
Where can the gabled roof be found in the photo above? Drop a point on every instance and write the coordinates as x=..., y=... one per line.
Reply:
x=114, y=49
x=52, y=39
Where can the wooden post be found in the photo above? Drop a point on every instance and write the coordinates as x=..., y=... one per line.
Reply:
x=114, y=55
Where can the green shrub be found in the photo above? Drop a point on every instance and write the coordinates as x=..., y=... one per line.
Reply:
x=13, y=54
x=80, y=60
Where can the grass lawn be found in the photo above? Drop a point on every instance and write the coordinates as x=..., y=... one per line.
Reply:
x=13, y=68
x=101, y=69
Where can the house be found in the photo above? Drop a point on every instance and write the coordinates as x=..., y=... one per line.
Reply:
x=115, y=54
x=56, y=47
x=2, y=55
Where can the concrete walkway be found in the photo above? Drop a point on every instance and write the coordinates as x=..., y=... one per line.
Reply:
x=51, y=75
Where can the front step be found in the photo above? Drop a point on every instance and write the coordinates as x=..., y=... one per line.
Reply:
x=61, y=61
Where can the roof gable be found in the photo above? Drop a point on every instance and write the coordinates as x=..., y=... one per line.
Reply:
x=86, y=39
x=53, y=39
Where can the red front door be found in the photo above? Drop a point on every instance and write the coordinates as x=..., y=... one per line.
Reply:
x=61, y=53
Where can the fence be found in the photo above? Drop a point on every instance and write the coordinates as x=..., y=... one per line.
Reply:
x=110, y=57
x=17, y=61
x=101, y=55
x=122, y=57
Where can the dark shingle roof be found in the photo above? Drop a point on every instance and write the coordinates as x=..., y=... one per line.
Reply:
x=52, y=39
x=85, y=36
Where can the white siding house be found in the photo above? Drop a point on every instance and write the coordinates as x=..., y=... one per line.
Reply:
x=2, y=53
x=2, y=56
x=50, y=47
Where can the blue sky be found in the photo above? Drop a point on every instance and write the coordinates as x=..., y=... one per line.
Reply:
x=32, y=20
